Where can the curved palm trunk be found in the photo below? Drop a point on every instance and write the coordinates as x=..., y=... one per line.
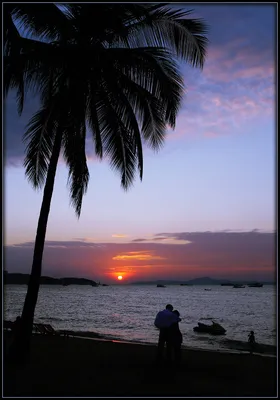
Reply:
x=20, y=347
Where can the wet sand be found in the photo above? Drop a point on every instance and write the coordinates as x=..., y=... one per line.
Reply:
x=74, y=366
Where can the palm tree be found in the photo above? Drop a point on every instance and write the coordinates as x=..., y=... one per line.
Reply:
x=120, y=81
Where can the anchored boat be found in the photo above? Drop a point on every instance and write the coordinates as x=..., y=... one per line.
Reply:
x=255, y=284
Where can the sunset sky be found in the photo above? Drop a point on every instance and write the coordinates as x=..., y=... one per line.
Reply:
x=206, y=205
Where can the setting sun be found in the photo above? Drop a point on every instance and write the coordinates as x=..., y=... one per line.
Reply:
x=119, y=277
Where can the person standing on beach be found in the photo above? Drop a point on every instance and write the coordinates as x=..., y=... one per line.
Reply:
x=176, y=339
x=252, y=341
x=163, y=321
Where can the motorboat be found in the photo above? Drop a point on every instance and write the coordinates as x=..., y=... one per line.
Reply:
x=214, y=329
x=255, y=284
x=238, y=286
x=159, y=285
x=208, y=289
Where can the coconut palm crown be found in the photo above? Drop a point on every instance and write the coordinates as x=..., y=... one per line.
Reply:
x=108, y=70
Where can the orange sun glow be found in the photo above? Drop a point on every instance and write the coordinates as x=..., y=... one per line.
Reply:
x=119, y=277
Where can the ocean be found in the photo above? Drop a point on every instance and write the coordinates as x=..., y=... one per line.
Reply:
x=127, y=312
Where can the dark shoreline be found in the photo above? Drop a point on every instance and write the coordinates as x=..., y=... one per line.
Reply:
x=227, y=346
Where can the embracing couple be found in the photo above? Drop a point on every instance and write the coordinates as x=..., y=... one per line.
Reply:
x=167, y=321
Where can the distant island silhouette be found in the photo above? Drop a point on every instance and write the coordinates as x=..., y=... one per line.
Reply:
x=23, y=279
x=198, y=281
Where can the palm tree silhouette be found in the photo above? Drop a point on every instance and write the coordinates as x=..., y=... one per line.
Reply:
x=109, y=69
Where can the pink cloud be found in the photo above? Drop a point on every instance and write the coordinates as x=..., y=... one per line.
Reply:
x=211, y=253
x=230, y=92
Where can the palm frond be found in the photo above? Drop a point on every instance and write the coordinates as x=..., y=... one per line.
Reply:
x=117, y=140
x=11, y=35
x=128, y=111
x=154, y=70
x=150, y=112
x=75, y=157
x=73, y=118
x=14, y=79
x=44, y=21
x=93, y=121
x=125, y=108
x=39, y=137
x=32, y=69
x=168, y=28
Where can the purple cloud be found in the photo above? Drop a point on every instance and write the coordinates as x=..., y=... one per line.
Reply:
x=217, y=254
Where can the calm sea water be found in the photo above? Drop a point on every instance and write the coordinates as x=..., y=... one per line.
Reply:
x=128, y=312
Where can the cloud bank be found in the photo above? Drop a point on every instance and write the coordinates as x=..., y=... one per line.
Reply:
x=248, y=255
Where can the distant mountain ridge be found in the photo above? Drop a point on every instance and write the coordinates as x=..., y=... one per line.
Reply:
x=198, y=281
x=23, y=279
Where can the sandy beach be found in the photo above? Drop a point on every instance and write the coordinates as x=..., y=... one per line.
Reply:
x=75, y=366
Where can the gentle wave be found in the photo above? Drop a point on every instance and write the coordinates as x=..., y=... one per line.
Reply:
x=128, y=312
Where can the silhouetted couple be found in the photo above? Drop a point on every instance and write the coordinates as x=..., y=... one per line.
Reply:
x=167, y=321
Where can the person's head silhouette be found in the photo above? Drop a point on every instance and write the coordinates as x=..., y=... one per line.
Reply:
x=169, y=307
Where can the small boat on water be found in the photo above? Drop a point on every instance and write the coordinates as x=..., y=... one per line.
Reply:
x=208, y=290
x=159, y=285
x=214, y=329
x=238, y=286
x=256, y=284
x=186, y=284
